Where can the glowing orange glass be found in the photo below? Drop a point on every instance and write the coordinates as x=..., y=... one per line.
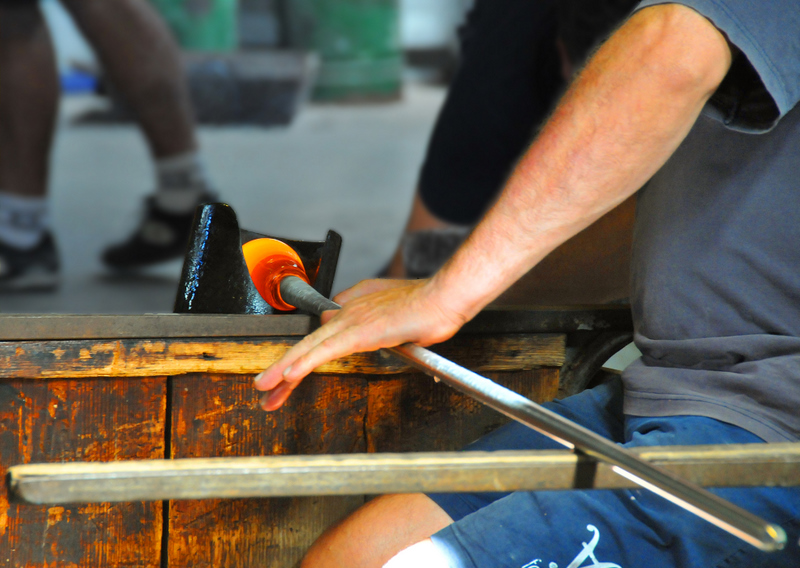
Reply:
x=269, y=261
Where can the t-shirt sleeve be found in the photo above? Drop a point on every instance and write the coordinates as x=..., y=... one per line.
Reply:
x=764, y=81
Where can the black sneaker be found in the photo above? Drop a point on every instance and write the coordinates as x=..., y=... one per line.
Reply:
x=160, y=237
x=36, y=269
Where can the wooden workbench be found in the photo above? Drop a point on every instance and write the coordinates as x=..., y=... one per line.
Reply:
x=174, y=386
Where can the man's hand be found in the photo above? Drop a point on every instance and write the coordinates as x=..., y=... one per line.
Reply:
x=374, y=314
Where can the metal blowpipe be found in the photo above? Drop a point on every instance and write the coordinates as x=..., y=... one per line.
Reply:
x=278, y=273
x=695, y=499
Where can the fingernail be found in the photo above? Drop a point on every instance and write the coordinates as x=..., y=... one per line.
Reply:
x=287, y=370
x=258, y=377
x=264, y=400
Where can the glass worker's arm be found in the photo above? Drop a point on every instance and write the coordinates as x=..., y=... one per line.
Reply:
x=621, y=119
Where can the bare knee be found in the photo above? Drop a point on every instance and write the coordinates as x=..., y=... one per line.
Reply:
x=376, y=532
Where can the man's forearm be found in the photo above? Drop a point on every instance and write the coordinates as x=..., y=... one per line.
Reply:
x=623, y=117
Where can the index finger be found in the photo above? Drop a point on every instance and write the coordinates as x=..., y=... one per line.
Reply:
x=283, y=376
x=274, y=374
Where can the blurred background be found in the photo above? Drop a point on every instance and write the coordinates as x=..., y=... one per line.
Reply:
x=313, y=115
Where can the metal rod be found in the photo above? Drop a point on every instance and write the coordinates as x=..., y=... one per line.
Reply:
x=776, y=465
x=727, y=516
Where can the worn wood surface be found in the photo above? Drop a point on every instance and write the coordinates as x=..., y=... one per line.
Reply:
x=218, y=416
x=149, y=357
x=412, y=412
x=203, y=405
x=746, y=465
x=67, y=420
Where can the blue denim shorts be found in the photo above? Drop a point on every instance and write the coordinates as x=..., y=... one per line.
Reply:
x=604, y=528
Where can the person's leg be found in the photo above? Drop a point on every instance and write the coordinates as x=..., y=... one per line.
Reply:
x=387, y=525
x=567, y=529
x=620, y=529
x=420, y=222
x=377, y=531
x=142, y=62
x=29, y=101
x=29, y=94
x=505, y=85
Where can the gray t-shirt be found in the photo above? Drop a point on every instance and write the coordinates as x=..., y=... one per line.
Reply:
x=716, y=266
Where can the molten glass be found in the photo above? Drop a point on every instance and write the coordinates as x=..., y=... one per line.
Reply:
x=269, y=261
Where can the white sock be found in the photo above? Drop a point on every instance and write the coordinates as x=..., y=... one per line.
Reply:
x=181, y=182
x=23, y=219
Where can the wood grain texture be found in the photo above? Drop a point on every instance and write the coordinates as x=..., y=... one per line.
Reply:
x=65, y=420
x=150, y=357
x=414, y=413
x=218, y=415
x=86, y=399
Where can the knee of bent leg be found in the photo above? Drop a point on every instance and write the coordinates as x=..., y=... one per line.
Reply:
x=375, y=532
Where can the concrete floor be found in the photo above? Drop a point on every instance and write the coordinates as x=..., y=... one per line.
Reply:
x=347, y=168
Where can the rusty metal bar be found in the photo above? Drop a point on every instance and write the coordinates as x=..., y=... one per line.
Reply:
x=162, y=326
x=33, y=327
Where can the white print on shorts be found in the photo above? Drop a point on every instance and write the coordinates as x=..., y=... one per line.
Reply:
x=586, y=553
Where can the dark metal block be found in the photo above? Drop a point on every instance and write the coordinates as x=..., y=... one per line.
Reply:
x=214, y=278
